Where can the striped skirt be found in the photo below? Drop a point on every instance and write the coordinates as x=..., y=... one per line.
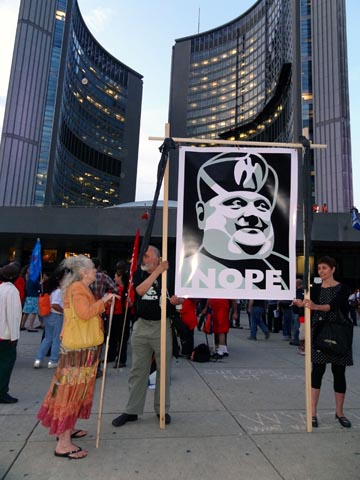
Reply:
x=71, y=390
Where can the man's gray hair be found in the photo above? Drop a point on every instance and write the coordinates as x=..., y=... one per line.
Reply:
x=155, y=250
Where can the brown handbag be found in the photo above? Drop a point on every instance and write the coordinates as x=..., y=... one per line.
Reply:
x=78, y=333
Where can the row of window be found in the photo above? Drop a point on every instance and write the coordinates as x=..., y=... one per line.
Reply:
x=276, y=128
x=248, y=24
x=79, y=184
x=82, y=66
x=88, y=155
x=98, y=56
x=92, y=113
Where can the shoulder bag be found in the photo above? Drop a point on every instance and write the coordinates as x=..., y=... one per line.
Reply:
x=333, y=337
x=78, y=333
x=44, y=304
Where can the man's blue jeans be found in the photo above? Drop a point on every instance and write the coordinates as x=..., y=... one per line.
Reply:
x=296, y=325
x=257, y=320
x=287, y=317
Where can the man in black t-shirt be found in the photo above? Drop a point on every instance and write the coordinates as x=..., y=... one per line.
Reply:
x=145, y=339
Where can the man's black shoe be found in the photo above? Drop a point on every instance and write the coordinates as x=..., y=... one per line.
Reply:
x=124, y=418
x=8, y=399
x=167, y=418
x=293, y=342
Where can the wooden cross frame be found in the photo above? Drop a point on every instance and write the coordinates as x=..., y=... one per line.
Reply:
x=164, y=274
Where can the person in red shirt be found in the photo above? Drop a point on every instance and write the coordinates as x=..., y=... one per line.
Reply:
x=117, y=338
x=221, y=314
x=20, y=285
x=189, y=318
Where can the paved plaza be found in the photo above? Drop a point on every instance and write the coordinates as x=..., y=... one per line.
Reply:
x=240, y=418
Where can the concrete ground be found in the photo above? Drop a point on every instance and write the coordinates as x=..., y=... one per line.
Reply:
x=240, y=418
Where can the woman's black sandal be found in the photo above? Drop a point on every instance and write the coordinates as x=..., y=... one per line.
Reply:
x=344, y=422
x=314, y=422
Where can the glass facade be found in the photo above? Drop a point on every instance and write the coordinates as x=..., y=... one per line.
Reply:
x=307, y=113
x=72, y=119
x=48, y=122
x=91, y=146
x=239, y=70
x=275, y=73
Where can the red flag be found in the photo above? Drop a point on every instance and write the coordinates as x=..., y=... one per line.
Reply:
x=133, y=266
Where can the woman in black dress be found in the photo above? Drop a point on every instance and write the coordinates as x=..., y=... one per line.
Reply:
x=326, y=300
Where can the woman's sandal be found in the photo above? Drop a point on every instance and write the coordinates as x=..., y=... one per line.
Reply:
x=70, y=455
x=314, y=422
x=77, y=434
x=344, y=422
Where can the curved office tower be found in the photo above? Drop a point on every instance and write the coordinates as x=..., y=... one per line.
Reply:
x=236, y=72
x=256, y=78
x=72, y=119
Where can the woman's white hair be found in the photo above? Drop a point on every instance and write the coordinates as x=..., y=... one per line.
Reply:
x=75, y=266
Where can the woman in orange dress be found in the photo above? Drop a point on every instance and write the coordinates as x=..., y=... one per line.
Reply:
x=71, y=391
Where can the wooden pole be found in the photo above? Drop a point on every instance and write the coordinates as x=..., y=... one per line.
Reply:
x=307, y=319
x=104, y=373
x=307, y=226
x=235, y=143
x=122, y=335
x=164, y=290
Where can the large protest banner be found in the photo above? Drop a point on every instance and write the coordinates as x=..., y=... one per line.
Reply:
x=236, y=223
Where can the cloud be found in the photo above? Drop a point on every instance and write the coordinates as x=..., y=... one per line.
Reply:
x=98, y=19
x=149, y=157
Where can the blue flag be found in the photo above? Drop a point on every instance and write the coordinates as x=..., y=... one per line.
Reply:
x=35, y=262
x=355, y=218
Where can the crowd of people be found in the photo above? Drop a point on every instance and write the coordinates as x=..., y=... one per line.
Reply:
x=73, y=333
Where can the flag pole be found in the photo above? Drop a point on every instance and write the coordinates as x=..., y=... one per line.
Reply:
x=130, y=294
x=307, y=227
x=104, y=372
x=122, y=335
x=163, y=290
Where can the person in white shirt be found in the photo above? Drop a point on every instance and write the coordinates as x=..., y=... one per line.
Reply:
x=10, y=318
x=52, y=322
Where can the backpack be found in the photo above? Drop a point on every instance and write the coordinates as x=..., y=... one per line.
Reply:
x=201, y=353
x=44, y=304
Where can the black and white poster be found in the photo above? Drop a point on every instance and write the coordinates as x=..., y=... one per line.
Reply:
x=236, y=223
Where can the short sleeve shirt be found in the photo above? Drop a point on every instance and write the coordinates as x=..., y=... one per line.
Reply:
x=148, y=306
x=56, y=298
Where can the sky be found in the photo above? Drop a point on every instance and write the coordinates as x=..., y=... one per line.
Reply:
x=141, y=35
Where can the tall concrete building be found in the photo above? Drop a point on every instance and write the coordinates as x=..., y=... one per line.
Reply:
x=72, y=118
x=274, y=73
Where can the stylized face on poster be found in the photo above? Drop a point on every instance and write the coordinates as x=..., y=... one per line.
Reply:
x=235, y=215
x=237, y=203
